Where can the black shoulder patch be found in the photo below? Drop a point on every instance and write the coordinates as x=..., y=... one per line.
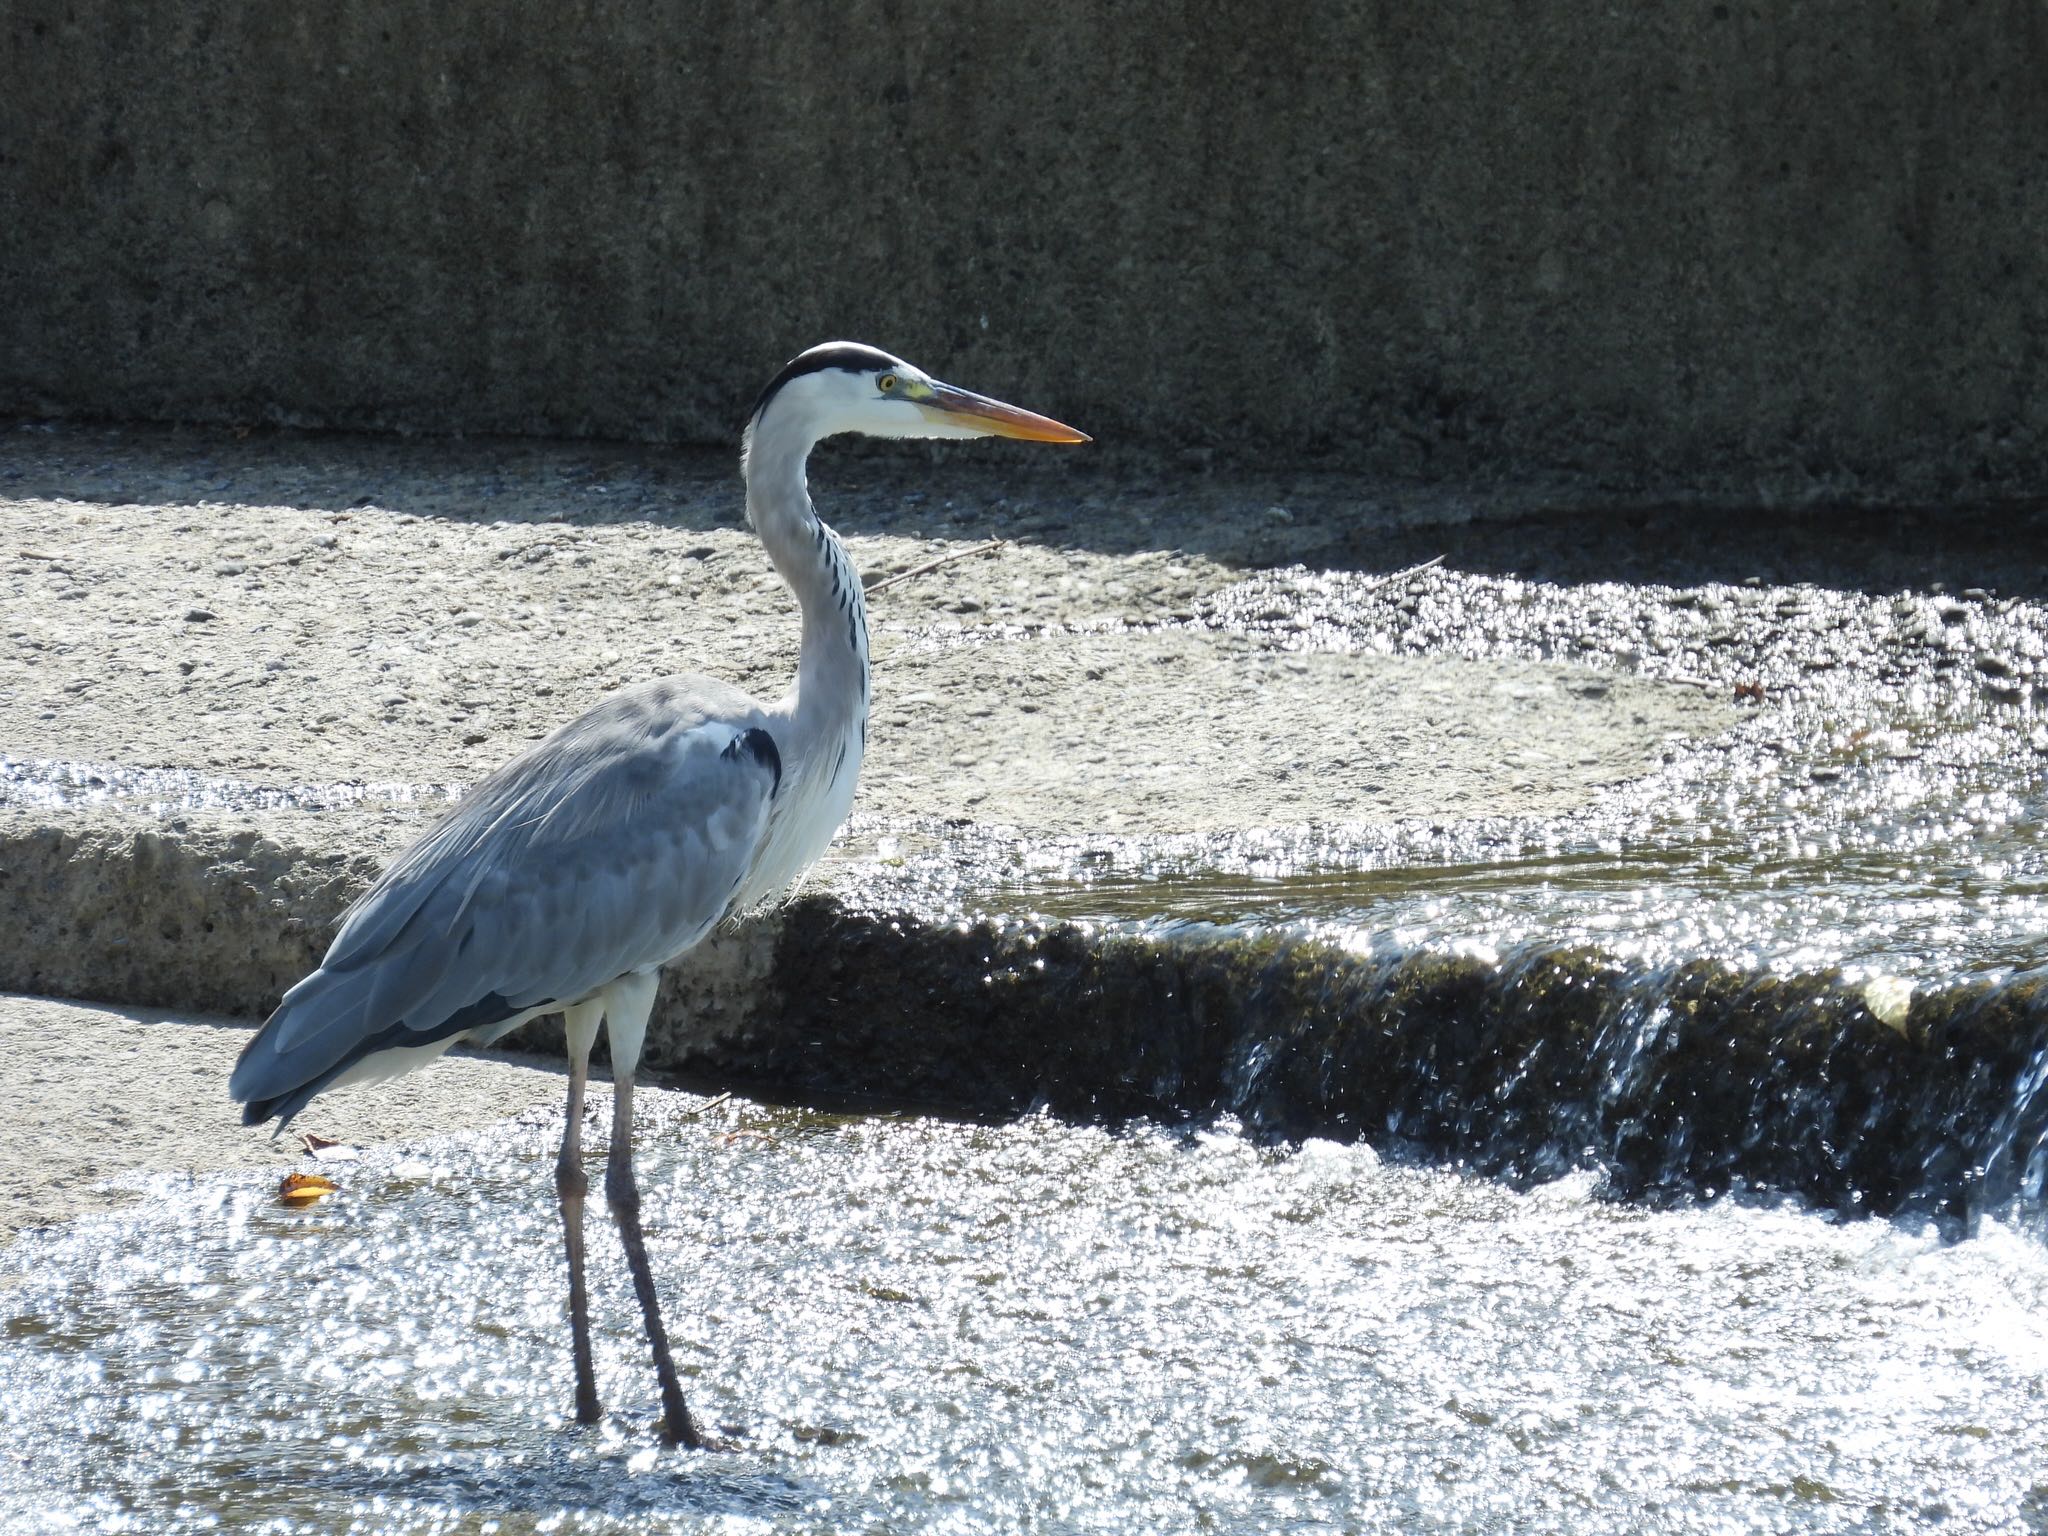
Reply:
x=491, y=1008
x=849, y=355
x=760, y=746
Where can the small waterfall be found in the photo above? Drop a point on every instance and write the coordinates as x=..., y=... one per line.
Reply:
x=1676, y=1082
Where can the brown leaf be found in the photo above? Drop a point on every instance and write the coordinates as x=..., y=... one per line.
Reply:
x=302, y=1189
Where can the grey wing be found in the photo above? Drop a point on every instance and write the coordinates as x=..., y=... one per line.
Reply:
x=613, y=846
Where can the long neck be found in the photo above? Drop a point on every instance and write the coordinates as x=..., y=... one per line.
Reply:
x=832, y=668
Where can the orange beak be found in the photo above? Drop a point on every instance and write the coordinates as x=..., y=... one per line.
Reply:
x=978, y=413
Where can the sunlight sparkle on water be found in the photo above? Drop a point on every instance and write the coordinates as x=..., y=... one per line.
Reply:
x=920, y=1325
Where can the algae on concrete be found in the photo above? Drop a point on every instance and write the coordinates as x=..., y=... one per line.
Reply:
x=1676, y=1082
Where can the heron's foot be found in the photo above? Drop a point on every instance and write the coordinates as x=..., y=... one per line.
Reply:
x=729, y=1440
x=678, y=1428
x=587, y=1409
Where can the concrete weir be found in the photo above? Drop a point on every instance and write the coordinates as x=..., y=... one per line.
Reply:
x=241, y=674
x=1680, y=1081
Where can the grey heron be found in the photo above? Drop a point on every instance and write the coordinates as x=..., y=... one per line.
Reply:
x=566, y=880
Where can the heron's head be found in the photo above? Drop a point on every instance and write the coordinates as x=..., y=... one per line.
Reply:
x=843, y=386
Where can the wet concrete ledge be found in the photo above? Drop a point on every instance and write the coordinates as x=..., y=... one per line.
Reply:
x=1690, y=1080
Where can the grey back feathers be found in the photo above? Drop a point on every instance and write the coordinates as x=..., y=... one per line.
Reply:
x=611, y=847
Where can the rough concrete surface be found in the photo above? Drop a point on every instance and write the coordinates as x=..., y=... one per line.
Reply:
x=98, y=1102
x=222, y=912
x=1045, y=686
x=1671, y=251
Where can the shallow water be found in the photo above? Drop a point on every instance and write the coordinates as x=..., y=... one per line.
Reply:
x=916, y=1325
x=1879, y=809
x=1921, y=857
x=57, y=784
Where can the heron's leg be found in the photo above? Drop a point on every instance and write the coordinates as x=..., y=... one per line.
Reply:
x=580, y=1026
x=628, y=1002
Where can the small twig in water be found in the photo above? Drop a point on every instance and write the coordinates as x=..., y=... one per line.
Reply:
x=1393, y=576
x=707, y=1106
x=932, y=565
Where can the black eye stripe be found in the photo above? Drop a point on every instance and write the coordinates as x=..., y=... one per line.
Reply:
x=848, y=355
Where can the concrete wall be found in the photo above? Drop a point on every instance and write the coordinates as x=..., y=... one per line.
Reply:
x=1766, y=249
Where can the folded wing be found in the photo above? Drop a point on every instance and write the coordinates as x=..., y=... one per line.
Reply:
x=613, y=846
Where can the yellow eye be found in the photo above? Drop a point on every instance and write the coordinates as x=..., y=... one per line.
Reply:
x=887, y=382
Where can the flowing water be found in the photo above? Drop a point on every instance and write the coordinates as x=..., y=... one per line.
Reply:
x=906, y=1324
x=1880, y=809
x=909, y=1324
x=1928, y=865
